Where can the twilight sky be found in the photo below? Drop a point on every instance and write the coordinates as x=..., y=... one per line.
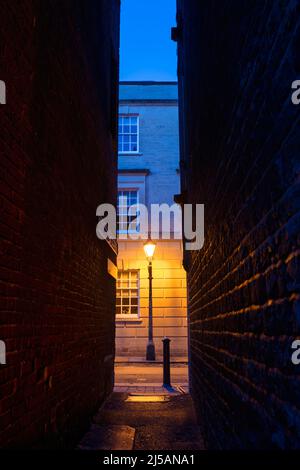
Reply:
x=147, y=52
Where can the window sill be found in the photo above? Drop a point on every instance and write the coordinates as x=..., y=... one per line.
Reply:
x=128, y=318
x=129, y=154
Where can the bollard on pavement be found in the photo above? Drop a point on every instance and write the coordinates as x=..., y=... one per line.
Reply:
x=166, y=365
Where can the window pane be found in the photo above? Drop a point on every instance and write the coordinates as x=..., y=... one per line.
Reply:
x=128, y=133
x=127, y=297
x=126, y=200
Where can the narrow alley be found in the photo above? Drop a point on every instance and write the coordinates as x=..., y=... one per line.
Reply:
x=141, y=414
x=150, y=216
x=137, y=421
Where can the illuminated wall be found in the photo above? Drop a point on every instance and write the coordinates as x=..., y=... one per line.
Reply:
x=169, y=299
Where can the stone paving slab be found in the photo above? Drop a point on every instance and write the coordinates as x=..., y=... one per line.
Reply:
x=109, y=437
x=179, y=410
x=168, y=425
x=143, y=425
x=160, y=437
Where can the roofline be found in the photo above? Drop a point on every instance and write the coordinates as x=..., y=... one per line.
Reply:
x=147, y=83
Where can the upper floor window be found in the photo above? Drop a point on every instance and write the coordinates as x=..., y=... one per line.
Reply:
x=127, y=223
x=128, y=133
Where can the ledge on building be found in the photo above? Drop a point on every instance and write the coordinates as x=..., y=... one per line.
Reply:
x=130, y=154
x=134, y=171
x=128, y=318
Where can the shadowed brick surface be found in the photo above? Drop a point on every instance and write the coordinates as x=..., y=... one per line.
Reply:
x=59, y=60
x=240, y=150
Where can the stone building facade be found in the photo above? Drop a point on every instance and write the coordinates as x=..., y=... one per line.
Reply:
x=149, y=174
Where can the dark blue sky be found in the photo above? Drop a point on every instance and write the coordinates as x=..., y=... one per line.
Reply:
x=147, y=52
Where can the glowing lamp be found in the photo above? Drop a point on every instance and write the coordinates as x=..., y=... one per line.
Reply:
x=149, y=249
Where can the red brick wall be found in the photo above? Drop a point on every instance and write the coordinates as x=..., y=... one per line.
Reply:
x=59, y=60
x=240, y=150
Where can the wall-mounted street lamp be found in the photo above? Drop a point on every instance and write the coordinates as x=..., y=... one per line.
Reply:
x=149, y=249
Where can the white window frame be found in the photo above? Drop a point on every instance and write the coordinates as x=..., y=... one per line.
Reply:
x=131, y=152
x=138, y=198
x=133, y=182
x=134, y=316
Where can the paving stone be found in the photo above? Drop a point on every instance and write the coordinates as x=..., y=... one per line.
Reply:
x=157, y=437
x=169, y=425
x=110, y=437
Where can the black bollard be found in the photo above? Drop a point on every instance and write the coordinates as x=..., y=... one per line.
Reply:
x=167, y=374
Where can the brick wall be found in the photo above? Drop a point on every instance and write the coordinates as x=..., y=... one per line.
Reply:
x=59, y=60
x=240, y=157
